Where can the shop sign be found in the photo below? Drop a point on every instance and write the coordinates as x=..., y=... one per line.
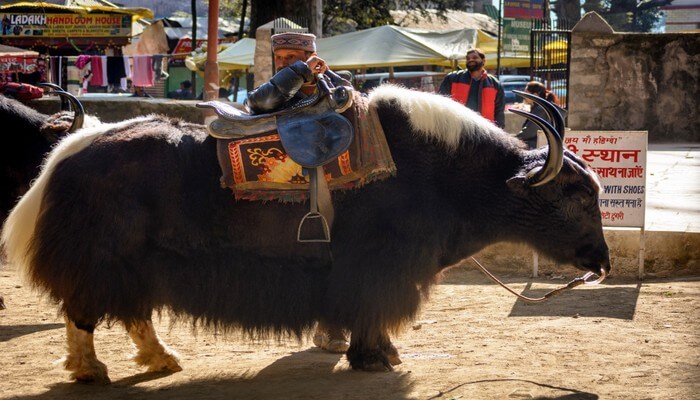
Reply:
x=184, y=45
x=516, y=37
x=19, y=64
x=523, y=9
x=65, y=25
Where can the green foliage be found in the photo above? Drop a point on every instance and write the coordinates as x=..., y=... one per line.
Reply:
x=231, y=9
x=628, y=15
x=338, y=15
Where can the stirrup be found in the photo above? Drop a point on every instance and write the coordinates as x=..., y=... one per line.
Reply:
x=309, y=217
x=314, y=213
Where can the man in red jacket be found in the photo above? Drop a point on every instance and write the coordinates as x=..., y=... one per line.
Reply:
x=476, y=89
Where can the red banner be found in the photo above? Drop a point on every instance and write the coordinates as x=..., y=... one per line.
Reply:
x=523, y=9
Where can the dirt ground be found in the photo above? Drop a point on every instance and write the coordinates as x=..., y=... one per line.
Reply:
x=473, y=340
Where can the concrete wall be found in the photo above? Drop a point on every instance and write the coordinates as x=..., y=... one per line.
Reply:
x=667, y=254
x=121, y=108
x=634, y=81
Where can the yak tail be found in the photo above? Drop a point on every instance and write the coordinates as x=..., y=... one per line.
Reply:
x=18, y=230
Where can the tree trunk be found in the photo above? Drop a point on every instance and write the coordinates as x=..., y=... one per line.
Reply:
x=316, y=22
x=568, y=13
x=264, y=11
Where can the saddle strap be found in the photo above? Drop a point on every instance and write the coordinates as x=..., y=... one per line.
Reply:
x=325, y=205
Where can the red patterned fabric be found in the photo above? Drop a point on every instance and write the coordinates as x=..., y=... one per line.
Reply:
x=20, y=91
x=258, y=168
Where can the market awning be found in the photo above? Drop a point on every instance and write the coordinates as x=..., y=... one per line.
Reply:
x=232, y=56
x=10, y=51
x=384, y=46
x=136, y=12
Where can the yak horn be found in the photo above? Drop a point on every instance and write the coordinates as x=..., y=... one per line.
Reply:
x=550, y=109
x=555, y=155
x=65, y=106
x=78, y=110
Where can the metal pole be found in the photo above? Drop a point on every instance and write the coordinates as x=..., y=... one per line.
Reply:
x=211, y=70
x=498, y=46
x=193, y=75
x=642, y=249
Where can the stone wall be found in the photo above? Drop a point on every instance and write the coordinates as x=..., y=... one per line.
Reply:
x=634, y=81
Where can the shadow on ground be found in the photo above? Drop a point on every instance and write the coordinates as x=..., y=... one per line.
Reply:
x=307, y=374
x=14, y=331
x=601, y=302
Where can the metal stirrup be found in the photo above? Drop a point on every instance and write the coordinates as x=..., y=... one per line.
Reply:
x=314, y=214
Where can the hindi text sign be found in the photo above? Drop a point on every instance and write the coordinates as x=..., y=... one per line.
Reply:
x=619, y=158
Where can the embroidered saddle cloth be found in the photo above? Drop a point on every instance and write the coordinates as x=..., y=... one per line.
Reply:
x=258, y=167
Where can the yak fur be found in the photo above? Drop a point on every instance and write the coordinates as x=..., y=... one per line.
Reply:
x=129, y=218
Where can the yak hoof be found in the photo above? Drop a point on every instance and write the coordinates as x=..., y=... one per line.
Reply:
x=337, y=346
x=323, y=341
x=160, y=362
x=370, y=360
x=392, y=354
x=93, y=372
x=394, y=359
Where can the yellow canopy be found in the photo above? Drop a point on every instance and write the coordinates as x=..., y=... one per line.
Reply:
x=136, y=12
x=238, y=55
x=231, y=56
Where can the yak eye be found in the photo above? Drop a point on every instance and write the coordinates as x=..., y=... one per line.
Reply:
x=582, y=195
x=586, y=197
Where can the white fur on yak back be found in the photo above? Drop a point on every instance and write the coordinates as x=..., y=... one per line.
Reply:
x=436, y=116
x=18, y=229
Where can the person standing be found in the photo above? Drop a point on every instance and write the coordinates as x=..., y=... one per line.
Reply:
x=528, y=132
x=476, y=88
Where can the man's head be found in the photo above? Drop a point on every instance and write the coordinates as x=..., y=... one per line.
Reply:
x=475, y=60
x=186, y=84
x=291, y=47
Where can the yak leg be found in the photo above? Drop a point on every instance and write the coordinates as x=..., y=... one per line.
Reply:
x=330, y=337
x=152, y=352
x=81, y=359
x=391, y=352
x=372, y=352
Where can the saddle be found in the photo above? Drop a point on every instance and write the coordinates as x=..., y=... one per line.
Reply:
x=312, y=132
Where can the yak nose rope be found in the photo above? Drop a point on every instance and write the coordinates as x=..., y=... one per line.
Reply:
x=576, y=282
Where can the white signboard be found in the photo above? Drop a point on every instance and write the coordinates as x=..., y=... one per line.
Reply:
x=620, y=160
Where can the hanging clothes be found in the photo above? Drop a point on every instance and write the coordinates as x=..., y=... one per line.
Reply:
x=143, y=71
x=104, y=69
x=127, y=74
x=115, y=70
x=82, y=61
x=98, y=71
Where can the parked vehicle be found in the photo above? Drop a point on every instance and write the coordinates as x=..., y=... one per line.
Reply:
x=510, y=83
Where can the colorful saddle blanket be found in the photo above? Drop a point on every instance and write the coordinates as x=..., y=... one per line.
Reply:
x=258, y=168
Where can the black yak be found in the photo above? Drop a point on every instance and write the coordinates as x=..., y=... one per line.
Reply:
x=28, y=137
x=129, y=218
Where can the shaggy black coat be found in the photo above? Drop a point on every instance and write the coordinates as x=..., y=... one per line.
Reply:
x=27, y=136
x=137, y=222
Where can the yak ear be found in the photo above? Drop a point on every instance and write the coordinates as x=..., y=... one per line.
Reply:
x=518, y=184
